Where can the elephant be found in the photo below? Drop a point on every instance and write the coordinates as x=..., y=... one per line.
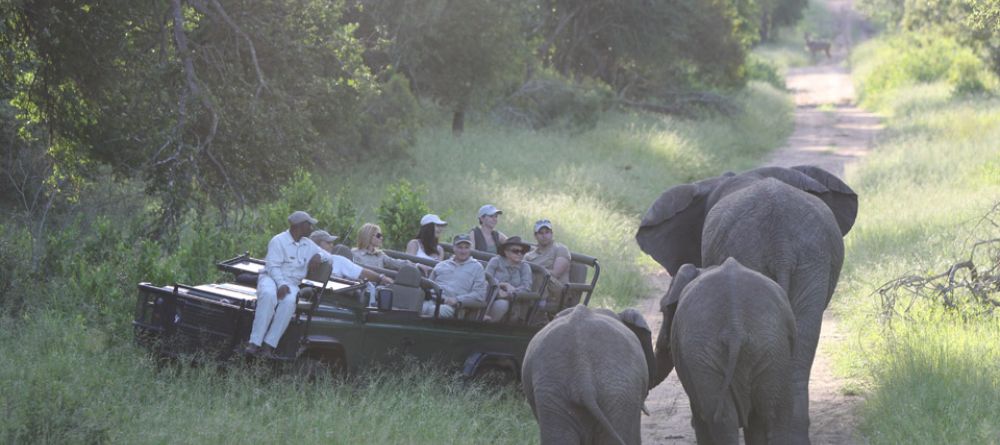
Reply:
x=586, y=376
x=731, y=341
x=786, y=223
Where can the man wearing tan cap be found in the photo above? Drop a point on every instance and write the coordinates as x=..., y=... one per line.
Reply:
x=286, y=263
x=554, y=257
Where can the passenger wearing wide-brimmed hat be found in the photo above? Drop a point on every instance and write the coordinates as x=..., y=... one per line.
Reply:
x=425, y=245
x=486, y=237
x=554, y=257
x=511, y=273
x=289, y=254
x=461, y=278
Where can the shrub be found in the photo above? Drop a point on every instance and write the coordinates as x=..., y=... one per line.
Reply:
x=965, y=74
x=15, y=268
x=390, y=120
x=549, y=100
x=764, y=71
x=400, y=211
x=335, y=212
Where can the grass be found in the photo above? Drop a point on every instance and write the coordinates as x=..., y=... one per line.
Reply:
x=931, y=375
x=70, y=373
x=594, y=185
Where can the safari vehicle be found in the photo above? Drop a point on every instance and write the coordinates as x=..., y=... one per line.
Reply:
x=335, y=325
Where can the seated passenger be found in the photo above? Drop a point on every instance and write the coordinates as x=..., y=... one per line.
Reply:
x=344, y=267
x=288, y=256
x=486, y=238
x=511, y=273
x=461, y=278
x=425, y=245
x=369, y=251
x=555, y=258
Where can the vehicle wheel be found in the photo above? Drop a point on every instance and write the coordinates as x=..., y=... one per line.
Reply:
x=317, y=366
x=493, y=375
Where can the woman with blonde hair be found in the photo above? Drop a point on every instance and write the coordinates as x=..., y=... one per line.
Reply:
x=369, y=252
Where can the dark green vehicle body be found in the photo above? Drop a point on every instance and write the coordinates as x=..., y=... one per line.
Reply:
x=337, y=328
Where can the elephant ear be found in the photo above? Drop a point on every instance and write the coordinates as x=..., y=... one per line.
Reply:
x=635, y=322
x=670, y=231
x=685, y=275
x=838, y=196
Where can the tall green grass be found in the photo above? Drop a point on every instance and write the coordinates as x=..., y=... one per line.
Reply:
x=932, y=373
x=70, y=374
x=593, y=185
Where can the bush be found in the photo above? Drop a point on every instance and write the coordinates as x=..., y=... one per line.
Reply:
x=390, y=120
x=399, y=213
x=965, y=75
x=549, y=100
x=336, y=214
x=15, y=268
x=764, y=71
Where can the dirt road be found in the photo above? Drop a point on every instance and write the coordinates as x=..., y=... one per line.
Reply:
x=829, y=132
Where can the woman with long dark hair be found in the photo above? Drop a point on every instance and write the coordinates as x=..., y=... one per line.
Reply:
x=425, y=245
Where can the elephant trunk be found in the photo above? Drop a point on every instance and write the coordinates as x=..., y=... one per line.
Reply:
x=664, y=358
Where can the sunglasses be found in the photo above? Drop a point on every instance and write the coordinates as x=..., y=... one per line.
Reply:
x=515, y=251
x=378, y=235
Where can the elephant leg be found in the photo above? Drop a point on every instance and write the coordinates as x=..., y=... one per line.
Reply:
x=756, y=432
x=808, y=325
x=559, y=427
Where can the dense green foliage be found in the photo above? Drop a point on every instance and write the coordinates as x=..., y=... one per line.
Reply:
x=216, y=103
x=925, y=190
x=973, y=23
x=909, y=59
x=65, y=328
x=399, y=213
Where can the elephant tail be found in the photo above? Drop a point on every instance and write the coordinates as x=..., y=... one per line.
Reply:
x=595, y=410
x=734, y=343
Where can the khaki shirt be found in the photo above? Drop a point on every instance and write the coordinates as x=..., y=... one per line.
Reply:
x=505, y=271
x=377, y=259
x=546, y=257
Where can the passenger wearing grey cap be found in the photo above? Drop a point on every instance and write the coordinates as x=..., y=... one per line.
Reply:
x=554, y=257
x=289, y=254
x=461, y=278
x=486, y=237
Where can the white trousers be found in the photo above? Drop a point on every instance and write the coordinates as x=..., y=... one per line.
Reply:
x=428, y=310
x=273, y=315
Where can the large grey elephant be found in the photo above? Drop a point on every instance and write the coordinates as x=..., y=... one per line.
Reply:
x=787, y=223
x=731, y=341
x=586, y=376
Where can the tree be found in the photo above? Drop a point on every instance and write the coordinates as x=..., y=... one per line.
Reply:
x=454, y=51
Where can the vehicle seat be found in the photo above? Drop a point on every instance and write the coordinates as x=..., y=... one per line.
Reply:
x=577, y=275
x=319, y=272
x=406, y=292
x=343, y=251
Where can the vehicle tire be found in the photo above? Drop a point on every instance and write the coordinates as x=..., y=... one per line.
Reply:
x=314, y=366
x=494, y=375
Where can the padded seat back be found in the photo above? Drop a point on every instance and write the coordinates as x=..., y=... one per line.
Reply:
x=406, y=292
x=343, y=251
x=319, y=272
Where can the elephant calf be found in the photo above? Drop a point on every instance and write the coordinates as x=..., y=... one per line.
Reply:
x=586, y=376
x=732, y=341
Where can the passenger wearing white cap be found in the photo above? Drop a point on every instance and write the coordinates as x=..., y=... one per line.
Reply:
x=486, y=237
x=288, y=256
x=425, y=245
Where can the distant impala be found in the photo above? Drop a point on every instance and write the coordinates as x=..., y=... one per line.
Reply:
x=816, y=46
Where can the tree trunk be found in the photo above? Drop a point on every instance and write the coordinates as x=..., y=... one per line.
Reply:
x=458, y=123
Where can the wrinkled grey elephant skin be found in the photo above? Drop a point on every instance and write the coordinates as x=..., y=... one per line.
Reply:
x=787, y=224
x=586, y=375
x=732, y=341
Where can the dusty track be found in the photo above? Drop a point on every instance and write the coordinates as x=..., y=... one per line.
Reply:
x=829, y=132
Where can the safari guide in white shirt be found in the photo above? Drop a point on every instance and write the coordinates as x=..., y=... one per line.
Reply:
x=286, y=263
